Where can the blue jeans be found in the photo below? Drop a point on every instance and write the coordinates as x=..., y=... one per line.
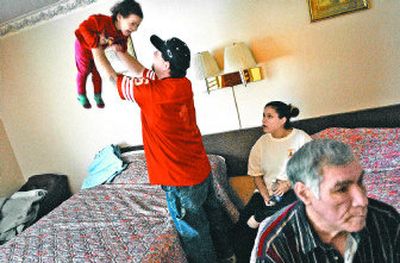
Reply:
x=200, y=221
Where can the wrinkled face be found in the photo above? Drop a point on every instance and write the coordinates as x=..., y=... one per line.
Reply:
x=271, y=121
x=342, y=205
x=128, y=25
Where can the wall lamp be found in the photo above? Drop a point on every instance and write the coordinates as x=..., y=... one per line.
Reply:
x=240, y=68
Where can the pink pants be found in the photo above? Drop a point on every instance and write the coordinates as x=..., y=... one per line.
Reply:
x=85, y=65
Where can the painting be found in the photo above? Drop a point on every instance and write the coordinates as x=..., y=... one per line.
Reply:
x=321, y=9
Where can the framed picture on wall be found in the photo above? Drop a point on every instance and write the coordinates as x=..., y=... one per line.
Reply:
x=321, y=9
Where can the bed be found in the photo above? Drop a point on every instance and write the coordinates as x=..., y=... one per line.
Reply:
x=124, y=221
x=127, y=220
x=374, y=135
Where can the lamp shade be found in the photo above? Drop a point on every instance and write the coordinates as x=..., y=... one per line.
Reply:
x=205, y=65
x=238, y=57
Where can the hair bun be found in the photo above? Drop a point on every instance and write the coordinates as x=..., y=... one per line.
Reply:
x=294, y=111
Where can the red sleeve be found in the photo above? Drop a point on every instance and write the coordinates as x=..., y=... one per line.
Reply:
x=125, y=87
x=126, y=84
x=90, y=30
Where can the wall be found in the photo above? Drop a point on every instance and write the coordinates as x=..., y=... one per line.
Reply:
x=11, y=177
x=341, y=64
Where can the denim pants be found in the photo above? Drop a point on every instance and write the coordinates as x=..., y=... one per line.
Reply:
x=200, y=221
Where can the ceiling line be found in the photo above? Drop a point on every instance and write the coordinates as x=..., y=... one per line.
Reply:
x=47, y=13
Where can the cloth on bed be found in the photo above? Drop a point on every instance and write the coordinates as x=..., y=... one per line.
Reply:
x=106, y=165
x=18, y=211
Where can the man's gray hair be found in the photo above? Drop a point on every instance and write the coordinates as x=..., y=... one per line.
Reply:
x=306, y=164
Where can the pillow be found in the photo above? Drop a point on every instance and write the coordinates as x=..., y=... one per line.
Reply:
x=244, y=187
x=225, y=194
x=377, y=148
x=135, y=172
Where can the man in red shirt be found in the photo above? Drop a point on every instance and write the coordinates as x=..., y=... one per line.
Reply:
x=174, y=150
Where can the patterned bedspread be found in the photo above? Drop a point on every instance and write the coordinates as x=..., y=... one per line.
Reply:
x=384, y=186
x=109, y=223
x=125, y=221
x=379, y=152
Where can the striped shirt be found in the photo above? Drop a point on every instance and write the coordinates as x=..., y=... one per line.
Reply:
x=288, y=237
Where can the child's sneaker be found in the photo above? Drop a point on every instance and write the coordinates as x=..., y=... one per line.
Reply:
x=252, y=222
x=99, y=101
x=83, y=100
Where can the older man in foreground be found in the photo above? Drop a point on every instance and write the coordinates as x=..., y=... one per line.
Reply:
x=334, y=221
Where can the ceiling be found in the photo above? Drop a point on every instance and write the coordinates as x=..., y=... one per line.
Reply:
x=11, y=9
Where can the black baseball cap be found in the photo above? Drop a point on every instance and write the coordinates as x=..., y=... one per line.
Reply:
x=173, y=50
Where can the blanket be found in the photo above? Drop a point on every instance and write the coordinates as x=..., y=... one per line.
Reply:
x=18, y=211
x=106, y=165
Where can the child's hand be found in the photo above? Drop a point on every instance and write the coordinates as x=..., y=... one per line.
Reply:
x=103, y=40
x=117, y=47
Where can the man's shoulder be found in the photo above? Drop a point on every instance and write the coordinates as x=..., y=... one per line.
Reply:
x=383, y=211
x=380, y=238
x=279, y=223
x=176, y=87
x=279, y=234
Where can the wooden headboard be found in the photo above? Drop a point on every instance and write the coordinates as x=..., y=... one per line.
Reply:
x=235, y=145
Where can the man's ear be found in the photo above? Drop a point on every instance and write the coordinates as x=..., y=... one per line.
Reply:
x=302, y=192
x=166, y=65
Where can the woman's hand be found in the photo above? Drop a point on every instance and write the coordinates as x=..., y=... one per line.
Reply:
x=282, y=187
x=262, y=188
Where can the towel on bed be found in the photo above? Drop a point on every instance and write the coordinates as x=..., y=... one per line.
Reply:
x=106, y=165
x=18, y=212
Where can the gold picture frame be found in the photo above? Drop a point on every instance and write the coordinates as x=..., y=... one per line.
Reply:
x=321, y=9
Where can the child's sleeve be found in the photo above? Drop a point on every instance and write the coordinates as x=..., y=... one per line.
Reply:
x=89, y=30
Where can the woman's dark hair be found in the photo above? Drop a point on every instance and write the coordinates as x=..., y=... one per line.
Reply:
x=126, y=8
x=284, y=110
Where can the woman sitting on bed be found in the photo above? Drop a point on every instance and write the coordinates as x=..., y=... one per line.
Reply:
x=267, y=165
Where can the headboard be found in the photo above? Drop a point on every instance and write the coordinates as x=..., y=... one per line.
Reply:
x=235, y=145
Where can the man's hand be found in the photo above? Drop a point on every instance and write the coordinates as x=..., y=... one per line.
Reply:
x=134, y=67
x=117, y=47
x=102, y=64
